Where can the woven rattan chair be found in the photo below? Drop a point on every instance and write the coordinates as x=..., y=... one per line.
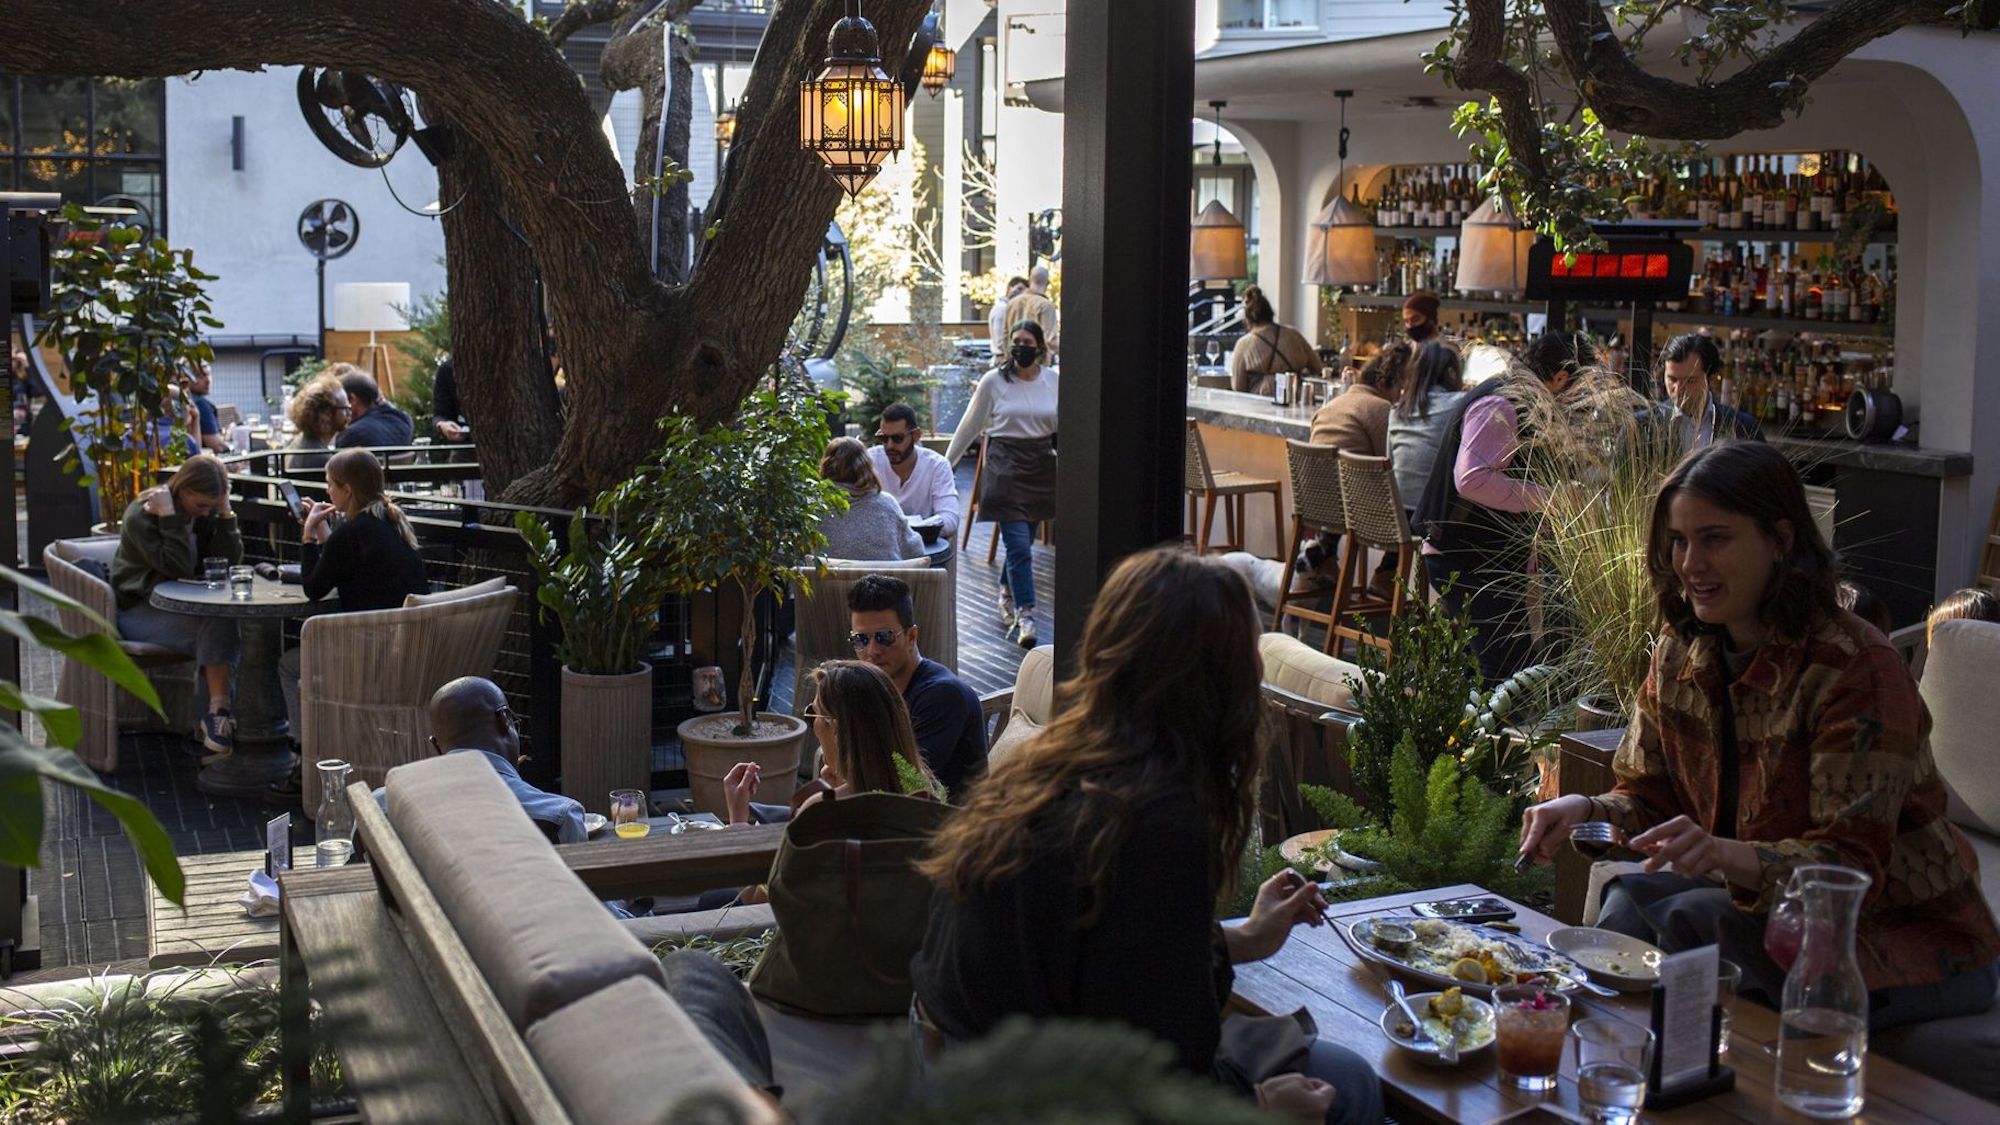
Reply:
x=104, y=707
x=1315, y=473
x=820, y=633
x=366, y=679
x=1230, y=488
x=1375, y=518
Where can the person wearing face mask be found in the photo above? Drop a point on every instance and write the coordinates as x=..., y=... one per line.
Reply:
x=1267, y=348
x=1014, y=407
x=1420, y=317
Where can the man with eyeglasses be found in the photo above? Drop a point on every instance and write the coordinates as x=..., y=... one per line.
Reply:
x=944, y=712
x=470, y=716
x=920, y=479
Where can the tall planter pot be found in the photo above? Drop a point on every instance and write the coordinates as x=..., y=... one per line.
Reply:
x=607, y=735
x=711, y=750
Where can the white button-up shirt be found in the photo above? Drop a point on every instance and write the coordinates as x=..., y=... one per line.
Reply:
x=932, y=489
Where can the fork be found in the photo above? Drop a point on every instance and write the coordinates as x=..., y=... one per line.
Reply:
x=1601, y=839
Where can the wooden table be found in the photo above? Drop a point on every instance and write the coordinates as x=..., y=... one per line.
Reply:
x=1317, y=970
x=213, y=923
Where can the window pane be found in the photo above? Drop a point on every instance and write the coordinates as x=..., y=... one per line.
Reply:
x=1241, y=13
x=1292, y=13
x=128, y=115
x=6, y=119
x=69, y=177
x=143, y=182
x=55, y=114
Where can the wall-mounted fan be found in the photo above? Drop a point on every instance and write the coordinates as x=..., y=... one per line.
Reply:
x=362, y=120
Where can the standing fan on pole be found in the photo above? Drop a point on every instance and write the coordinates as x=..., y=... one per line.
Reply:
x=328, y=228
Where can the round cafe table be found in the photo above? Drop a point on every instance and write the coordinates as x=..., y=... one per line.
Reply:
x=263, y=751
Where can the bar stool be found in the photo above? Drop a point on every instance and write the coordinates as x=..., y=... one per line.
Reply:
x=1315, y=473
x=972, y=509
x=1231, y=488
x=1375, y=518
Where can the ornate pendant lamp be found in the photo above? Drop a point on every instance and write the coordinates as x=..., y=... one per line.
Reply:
x=1493, y=250
x=940, y=65
x=1219, y=247
x=725, y=127
x=852, y=114
x=1341, y=250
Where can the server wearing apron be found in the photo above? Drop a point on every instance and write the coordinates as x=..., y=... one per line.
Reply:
x=1014, y=407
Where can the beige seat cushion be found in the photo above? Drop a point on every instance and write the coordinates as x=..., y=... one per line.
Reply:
x=487, y=587
x=1034, y=703
x=1294, y=666
x=537, y=934
x=1965, y=711
x=627, y=1053
x=102, y=548
x=810, y=1056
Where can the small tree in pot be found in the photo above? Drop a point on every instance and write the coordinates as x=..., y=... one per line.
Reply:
x=738, y=506
x=598, y=588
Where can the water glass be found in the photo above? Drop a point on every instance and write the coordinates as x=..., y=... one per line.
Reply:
x=241, y=578
x=1529, y=1022
x=1612, y=1057
x=1729, y=978
x=627, y=806
x=215, y=572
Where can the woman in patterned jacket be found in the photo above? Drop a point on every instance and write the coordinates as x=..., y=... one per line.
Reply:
x=1774, y=730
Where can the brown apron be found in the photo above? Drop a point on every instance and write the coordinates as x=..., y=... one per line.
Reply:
x=1020, y=480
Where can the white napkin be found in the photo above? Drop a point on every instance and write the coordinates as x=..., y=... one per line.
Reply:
x=261, y=900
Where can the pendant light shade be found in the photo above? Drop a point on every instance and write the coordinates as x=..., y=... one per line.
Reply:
x=940, y=67
x=852, y=114
x=1342, y=248
x=1493, y=250
x=1218, y=251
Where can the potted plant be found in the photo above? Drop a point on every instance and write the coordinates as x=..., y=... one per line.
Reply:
x=129, y=316
x=597, y=587
x=737, y=507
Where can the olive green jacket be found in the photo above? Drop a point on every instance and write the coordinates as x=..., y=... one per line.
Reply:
x=153, y=549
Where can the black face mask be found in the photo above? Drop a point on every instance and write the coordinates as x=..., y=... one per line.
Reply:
x=1423, y=332
x=1024, y=355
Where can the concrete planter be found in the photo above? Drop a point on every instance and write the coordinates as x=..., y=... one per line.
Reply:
x=711, y=750
x=607, y=735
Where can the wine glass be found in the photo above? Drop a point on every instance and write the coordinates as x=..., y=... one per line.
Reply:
x=1213, y=351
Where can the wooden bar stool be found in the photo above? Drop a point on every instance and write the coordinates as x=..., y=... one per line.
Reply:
x=1375, y=518
x=972, y=509
x=1230, y=488
x=1315, y=473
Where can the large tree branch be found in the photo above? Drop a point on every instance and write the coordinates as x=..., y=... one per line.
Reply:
x=579, y=14
x=1631, y=99
x=1483, y=65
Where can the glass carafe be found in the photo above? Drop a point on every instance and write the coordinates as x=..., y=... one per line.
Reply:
x=333, y=828
x=1823, y=1030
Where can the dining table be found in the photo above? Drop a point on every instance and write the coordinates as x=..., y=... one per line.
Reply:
x=1318, y=970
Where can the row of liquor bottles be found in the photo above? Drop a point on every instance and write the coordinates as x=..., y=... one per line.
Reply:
x=1775, y=192
x=1806, y=381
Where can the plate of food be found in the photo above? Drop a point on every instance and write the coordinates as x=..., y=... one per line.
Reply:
x=1468, y=1020
x=594, y=822
x=1624, y=963
x=1461, y=954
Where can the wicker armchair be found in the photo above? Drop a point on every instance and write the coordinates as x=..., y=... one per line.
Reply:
x=366, y=679
x=104, y=708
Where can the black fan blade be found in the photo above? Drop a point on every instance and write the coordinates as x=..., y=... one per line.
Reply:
x=340, y=214
x=357, y=127
x=328, y=89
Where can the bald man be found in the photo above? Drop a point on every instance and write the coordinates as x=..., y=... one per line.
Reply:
x=470, y=716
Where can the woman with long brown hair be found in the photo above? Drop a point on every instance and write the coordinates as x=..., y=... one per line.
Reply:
x=1777, y=730
x=863, y=727
x=1081, y=878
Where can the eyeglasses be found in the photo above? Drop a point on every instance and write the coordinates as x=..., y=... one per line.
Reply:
x=506, y=714
x=814, y=713
x=887, y=638
x=895, y=439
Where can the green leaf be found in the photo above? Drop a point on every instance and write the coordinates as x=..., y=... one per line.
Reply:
x=96, y=650
x=58, y=718
x=23, y=767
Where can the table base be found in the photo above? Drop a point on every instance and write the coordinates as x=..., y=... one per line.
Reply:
x=249, y=772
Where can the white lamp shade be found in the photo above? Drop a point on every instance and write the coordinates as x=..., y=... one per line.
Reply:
x=1493, y=250
x=1341, y=250
x=371, y=306
x=1218, y=249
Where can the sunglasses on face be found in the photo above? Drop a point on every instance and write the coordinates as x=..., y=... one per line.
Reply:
x=814, y=713
x=894, y=439
x=887, y=638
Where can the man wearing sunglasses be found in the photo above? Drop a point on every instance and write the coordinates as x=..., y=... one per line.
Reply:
x=944, y=712
x=920, y=479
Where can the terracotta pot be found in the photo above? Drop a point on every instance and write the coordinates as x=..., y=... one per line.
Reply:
x=1597, y=712
x=607, y=735
x=711, y=749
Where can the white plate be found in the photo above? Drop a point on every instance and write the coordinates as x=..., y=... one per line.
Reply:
x=1557, y=966
x=593, y=823
x=1624, y=963
x=1424, y=1048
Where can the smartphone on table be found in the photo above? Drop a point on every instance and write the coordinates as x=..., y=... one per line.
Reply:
x=1485, y=909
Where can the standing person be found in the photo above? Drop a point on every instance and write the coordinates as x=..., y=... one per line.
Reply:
x=165, y=534
x=1267, y=348
x=1014, y=406
x=447, y=416
x=920, y=479
x=872, y=528
x=944, y=712
x=1420, y=318
x=1110, y=836
x=996, y=321
x=1476, y=514
x=376, y=420
x=1035, y=305
x=320, y=410
x=1776, y=730
x=1357, y=421
x=1431, y=396
x=1688, y=366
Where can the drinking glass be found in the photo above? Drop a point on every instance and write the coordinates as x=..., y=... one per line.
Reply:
x=1213, y=351
x=627, y=805
x=708, y=690
x=241, y=578
x=215, y=572
x=1611, y=1060
x=1528, y=1025
x=1729, y=977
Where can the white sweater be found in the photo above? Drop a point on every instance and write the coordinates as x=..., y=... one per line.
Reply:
x=1008, y=408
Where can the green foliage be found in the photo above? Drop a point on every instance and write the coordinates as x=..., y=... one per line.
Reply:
x=1444, y=827
x=914, y=779
x=302, y=374
x=1259, y=864
x=873, y=383
x=430, y=318
x=1335, y=809
x=597, y=586
x=739, y=954
x=129, y=315
x=1420, y=696
x=25, y=766
x=736, y=503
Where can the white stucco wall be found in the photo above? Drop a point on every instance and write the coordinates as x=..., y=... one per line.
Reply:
x=1028, y=164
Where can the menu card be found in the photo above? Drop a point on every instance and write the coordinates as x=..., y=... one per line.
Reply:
x=278, y=845
x=1684, y=1018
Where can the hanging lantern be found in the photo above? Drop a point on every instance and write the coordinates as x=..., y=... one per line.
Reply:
x=725, y=127
x=940, y=67
x=1218, y=250
x=1493, y=250
x=1341, y=250
x=852, y=114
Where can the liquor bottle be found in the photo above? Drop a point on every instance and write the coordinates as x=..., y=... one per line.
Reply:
x=1815, y=297
x=1753, y=196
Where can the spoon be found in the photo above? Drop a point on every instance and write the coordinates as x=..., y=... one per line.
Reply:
x=1447, y=1048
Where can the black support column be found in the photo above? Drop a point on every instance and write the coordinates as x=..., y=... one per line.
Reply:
x=1127, y=91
